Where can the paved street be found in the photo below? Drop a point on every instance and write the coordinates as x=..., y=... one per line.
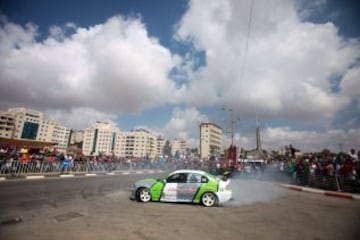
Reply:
x=99, y=208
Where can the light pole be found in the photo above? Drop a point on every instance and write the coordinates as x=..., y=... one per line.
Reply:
x=230, y=122
x=341, y=147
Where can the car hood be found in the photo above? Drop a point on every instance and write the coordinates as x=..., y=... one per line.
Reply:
x=145, y=183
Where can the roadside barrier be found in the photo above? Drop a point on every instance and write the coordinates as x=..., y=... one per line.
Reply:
x=38, y=167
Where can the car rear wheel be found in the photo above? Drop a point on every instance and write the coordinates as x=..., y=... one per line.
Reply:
x=209, y=199
x=144, y=195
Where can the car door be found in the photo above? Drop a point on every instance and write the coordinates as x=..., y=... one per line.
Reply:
x=186, y=191
x=171, y=189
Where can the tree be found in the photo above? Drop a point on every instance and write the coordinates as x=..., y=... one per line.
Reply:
x=192, y=152
x=167, y=148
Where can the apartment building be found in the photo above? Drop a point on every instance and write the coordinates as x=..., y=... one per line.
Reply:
x=107, y=139
x=7, y=125
x=210, y=139
x=178, y=146
x=28, y=124
x=160, y=143
x=138, y=143
x=76, y=136
x=102, y=138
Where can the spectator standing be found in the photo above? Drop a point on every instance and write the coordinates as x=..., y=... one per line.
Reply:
x=347, y=170
x=24, y=155
x=355, y=160
x=353, y=155
x=302, y=172
x=65, y=164
x=292, y=151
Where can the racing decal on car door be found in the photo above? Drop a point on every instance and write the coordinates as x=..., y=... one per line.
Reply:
x=187, y=191
x=181, y=187
x=182, y=192
x=169, y=193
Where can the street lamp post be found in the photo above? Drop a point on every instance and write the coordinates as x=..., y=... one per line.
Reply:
x=231, y=122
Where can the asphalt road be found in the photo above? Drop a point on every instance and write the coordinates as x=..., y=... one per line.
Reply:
x=99, y=208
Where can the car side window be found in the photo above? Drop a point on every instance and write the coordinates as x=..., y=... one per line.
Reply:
x=204, y=179
x=194, y=178
x=177, y=178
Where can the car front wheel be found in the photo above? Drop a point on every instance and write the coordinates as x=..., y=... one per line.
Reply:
x=208, y=199
x=144, y=195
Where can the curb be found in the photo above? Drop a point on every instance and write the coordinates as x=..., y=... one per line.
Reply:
x=90, y=174
x=35, y=177
x=72, y=175
x=67, y=175
x=322, y=192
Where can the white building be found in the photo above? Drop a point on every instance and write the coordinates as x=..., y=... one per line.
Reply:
x=160, y=143
x=76, y=136
x=102, y=138
x=138, y=143
x=107, y=139
x=28, y=124
x=178, y=146
x=210, y=139
x=7, y=125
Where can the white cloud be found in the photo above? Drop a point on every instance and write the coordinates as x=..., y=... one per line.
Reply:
x=184, y=123
x=306, y=8
x=113, y=67
x=350, y=85
x=289, y=61
x=275, y=138
x=80, y=118
x=81, y=75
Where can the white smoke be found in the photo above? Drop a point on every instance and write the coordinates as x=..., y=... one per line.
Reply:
x=246, y=191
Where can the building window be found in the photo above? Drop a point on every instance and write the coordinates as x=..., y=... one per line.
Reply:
x=30, y=130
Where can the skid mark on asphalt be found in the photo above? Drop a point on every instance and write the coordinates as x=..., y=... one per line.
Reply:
x=67, y=216
x=141, y=235
x=120, y=193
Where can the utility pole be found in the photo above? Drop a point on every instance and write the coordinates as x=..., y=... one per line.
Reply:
x=341, y=147
x=230, y=126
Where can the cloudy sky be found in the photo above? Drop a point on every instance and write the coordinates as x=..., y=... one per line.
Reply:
x=169, y=65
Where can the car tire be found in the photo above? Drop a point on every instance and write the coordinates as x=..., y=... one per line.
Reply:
x=209, y=199
x=143, y=195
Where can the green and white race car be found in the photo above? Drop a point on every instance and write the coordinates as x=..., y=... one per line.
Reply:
x=192, y=186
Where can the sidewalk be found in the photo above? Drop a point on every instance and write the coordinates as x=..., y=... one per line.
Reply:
x=345, y=195
x=80, y=174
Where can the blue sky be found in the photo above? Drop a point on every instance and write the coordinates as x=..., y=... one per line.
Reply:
x=169, y=65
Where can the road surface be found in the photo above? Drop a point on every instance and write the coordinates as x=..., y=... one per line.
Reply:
x=94, y=208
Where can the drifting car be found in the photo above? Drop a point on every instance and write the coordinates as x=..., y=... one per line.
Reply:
x=193, y=186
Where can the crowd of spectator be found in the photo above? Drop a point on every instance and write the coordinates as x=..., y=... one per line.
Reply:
x=23, y=160
x=323, y=170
